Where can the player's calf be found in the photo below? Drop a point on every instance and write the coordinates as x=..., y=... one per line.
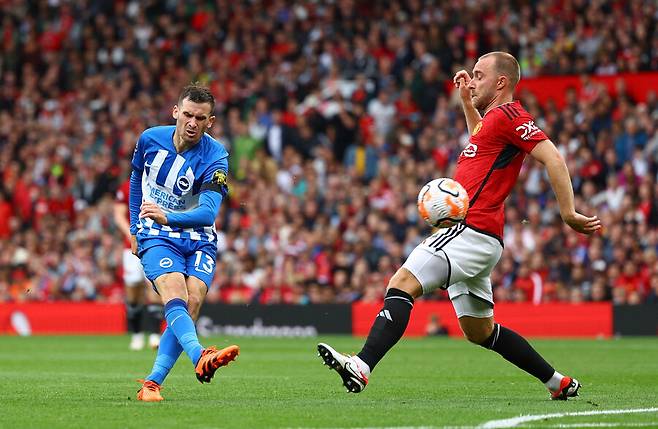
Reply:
x=515, y=349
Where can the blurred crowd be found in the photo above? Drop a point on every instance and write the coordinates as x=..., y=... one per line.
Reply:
x=335, y=114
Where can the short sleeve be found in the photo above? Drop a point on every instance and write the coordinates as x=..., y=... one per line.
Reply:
x=525, y=134
x=138, y=154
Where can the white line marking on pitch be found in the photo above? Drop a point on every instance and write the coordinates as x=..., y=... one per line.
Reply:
x=603, y=425
x=510, y=423
x=399, y=427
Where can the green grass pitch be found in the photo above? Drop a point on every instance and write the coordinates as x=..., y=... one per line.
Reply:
x=89, y=382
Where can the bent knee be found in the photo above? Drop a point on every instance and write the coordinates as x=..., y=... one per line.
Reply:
x=406, y=282
x=170, y=286
x=476, y=330
x=478, y=338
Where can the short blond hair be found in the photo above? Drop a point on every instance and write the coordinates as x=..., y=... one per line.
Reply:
x=506, y=65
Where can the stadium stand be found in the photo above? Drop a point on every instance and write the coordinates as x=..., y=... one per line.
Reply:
x=335, y=114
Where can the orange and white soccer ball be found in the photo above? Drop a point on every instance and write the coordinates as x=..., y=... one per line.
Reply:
x=443, y=203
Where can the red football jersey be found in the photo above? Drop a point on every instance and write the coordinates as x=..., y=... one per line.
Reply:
x=489, y=166
x=123, y=196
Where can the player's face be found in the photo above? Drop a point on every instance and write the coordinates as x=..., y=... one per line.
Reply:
x=483, y=83
x=192, y=120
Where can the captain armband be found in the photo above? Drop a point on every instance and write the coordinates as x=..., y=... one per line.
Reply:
x=218, y=183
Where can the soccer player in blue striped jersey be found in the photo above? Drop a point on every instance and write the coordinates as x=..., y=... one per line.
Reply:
x=176, y=187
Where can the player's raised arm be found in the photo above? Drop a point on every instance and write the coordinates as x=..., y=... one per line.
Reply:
x=461, y=80
x=558, y=174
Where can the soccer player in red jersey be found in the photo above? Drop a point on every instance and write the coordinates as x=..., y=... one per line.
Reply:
x=143, y=309
x=460, y=258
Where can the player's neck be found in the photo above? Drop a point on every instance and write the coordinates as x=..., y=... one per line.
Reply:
x=180, y=144
x=498, y=100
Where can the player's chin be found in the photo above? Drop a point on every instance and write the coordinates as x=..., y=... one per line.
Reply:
x=192, y=139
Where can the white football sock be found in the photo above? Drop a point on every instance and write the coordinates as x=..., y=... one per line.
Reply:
x=554, y=383
x=365, y=369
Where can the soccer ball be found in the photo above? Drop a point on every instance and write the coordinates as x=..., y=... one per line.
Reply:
x=443, y=203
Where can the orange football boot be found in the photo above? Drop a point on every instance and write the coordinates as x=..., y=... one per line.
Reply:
x=212, y=359
x=150, y=391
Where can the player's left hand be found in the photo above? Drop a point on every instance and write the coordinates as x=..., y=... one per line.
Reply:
x=152, y=210
x=583, y=224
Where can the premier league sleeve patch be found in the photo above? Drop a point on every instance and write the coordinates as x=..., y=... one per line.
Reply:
x=218, y=183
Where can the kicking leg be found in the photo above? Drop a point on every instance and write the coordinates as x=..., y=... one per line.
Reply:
x=173, y=290
x=170, y=349
x=179, y=335
x=211, y=359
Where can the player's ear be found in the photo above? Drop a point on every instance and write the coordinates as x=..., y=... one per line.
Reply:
x=174, y=112
x=211, y=120
x=502, y=82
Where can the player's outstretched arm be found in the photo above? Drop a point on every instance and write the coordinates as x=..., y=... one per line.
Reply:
x=461, y=81
x=558, y=174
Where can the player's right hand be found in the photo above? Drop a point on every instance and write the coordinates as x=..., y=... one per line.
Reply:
x=461, y=81
x=133, y=244
x=583, y=224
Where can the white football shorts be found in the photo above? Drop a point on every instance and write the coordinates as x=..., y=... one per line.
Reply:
x=133, y=272
x=459, y=259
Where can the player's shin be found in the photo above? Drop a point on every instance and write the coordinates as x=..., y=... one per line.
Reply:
x=182, y=325
x=518, y=351
x=168, y=353
x=388, y=328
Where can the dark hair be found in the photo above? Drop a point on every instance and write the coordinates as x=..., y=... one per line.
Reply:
x=506, y=65
x=197, y=94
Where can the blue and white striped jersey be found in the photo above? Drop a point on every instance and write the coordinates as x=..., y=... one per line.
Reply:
x=174, y=181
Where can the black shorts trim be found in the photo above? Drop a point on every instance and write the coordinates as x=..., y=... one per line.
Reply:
x=486, y=301
x=449, y=271
x=479, y=298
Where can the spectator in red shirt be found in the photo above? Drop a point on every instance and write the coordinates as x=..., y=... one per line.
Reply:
x=6, y=216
